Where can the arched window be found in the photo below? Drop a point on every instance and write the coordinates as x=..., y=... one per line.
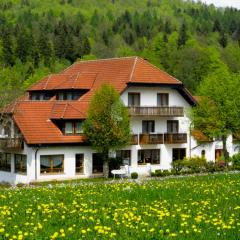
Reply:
x=203, y=153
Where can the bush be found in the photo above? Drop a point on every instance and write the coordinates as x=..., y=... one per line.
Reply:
x=210, y=167
x=166, y=173
x=158, y=173
x=174, y=172
x=161, y=173
x=177, y=165
x=153, y=174
x=134, y=175
x=235, y=159
x=220, y=165
x=195, y=164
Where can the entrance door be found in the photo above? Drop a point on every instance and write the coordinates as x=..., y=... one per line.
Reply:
x=97, y=163
x=218, y=154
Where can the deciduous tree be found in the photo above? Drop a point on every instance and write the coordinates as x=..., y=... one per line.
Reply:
x=218, y=111
x=107, y=124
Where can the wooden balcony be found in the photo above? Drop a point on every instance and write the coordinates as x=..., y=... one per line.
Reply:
x=172, y=138
x=134, y=139
x=156, y=111
x=146, y=138
x=11, y=143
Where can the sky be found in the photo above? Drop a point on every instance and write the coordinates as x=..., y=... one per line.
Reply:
x=224, y=3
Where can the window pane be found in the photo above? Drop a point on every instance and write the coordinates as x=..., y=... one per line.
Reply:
x=97, y=163
x=33, y=96
x=151, y=156
x=148, y=126
x=51, y=164
x=79, y=127
x=68, y=127
x=37, y=96
x=69, y=96
x=155, y=157
x=60, y=96
x=76, y=95
x=125, y=156
x=20, y=163
x=5, y=162
x=133, y=99
x=172, y=126
x=178, y=154
x=79, y=163
x=162, y=99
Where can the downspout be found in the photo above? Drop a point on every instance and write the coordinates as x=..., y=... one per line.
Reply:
x=190, y=140
x=36, y=152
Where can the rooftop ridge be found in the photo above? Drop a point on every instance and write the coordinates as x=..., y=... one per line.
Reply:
x=65, y=80
x=75, y=80
x=64, y=111
x=76, y=109
x=100, y=59
x=49, y=77
x=133, y=69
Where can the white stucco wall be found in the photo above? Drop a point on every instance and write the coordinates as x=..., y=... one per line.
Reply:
x=212, y=146
x=148, y=97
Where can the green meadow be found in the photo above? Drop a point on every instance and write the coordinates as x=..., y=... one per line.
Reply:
x=197, y=207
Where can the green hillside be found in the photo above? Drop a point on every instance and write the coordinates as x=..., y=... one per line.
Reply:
x=188, y=40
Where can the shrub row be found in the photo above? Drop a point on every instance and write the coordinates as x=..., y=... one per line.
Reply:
x=199, y=165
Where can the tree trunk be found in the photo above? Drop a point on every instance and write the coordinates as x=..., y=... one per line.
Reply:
x=106, y=166
x=225, y=151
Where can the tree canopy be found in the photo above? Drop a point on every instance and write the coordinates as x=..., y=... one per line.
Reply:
x=218, y=111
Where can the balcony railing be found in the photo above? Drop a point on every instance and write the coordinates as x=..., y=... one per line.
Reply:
x=11, y=143
x=156, y=111
x=171, y=138
x=146, y=138
x=134, y=139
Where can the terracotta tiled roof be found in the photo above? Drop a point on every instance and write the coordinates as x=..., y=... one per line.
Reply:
x=69, y=110
x=200, y=136
x=34, y=118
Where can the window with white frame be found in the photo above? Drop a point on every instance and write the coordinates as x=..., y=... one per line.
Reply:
x=146, y=156
x=51, y=164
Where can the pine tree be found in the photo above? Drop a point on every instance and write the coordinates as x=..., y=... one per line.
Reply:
x=223, y=40
x=23, y=44
x=182, y=35
x=7, y=46
x=217, y=26
x=167, y=27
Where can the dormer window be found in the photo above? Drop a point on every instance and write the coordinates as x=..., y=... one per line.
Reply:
x=133, y=99
x=69, y=96
x=73, y=127
x=41, y=96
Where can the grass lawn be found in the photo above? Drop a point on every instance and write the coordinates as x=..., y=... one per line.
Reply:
x=202, y=207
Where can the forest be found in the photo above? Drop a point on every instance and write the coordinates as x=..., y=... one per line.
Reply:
x=188, y=40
